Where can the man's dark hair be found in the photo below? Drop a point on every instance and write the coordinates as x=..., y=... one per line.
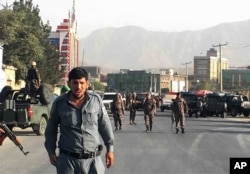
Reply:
x=78, y=73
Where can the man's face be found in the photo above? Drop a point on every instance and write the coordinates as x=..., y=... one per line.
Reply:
x=78, y=87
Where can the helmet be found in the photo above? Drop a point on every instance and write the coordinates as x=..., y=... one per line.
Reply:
x=33, y=63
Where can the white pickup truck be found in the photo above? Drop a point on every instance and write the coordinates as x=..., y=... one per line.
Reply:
x=167, y=101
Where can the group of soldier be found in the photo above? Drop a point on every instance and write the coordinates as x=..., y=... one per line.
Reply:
x=179, y=108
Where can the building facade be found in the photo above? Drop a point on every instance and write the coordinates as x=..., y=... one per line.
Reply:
x=235, y=79
x=207, y=68
x=144, y=81
x=66, y=40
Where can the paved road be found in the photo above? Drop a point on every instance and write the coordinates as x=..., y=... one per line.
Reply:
x=205, y=148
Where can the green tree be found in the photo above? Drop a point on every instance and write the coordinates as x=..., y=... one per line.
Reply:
x=25, y=39
x=206, y=86
x=98, y=86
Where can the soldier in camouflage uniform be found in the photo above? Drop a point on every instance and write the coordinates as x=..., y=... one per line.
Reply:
x=132, y=108
x=179, y=109
x=149, y=111
x=118, y=111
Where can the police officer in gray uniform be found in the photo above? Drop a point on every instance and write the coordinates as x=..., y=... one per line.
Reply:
x=83, y=119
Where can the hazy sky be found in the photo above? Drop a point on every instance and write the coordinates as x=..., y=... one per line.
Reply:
x=156, y=15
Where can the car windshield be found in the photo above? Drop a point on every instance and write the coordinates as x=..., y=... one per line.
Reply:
x=140, y=96
x=108, y=96
x=169, y=97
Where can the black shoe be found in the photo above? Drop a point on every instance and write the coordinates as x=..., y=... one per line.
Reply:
x=150, y=128
x=177, y=130
x=116, y=129
x=182, y=131
x=120, y=128
x=146, y=128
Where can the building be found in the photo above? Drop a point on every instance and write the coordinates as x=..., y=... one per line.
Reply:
x=236, y=78
x=207, y=68
x=66, y=40
x=143, y=81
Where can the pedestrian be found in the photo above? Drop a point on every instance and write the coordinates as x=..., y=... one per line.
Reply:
x=180, y=108
x=118, y=111
x=149, y=111
x=132, y=108
x=33, y=81
x=81, y=117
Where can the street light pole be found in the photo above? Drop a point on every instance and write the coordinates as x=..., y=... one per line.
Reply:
x=186, y=81
x=220, y=45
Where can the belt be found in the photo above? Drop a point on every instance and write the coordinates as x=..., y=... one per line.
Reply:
x=81, y=155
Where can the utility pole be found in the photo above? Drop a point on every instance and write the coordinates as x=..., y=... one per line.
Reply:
x=220, y=45
x=186, y=81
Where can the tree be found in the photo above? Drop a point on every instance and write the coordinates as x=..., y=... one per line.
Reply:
x=97, y=86
x=26, y=39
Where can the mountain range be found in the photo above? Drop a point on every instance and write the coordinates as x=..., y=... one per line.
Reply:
x=133, y=47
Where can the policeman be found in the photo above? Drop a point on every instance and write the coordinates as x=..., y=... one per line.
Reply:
x=179, y=109
x=33, y=80
x=149, y=110
x=83, y=120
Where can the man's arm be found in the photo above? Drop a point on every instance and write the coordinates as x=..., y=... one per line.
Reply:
x=2, y=136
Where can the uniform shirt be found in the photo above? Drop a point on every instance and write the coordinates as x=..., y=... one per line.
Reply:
x=180, y=106
x=132, y=105
x=79, y=128
x=149, y=106
x=118, y=107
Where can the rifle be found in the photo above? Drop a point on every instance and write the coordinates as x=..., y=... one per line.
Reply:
x=12, y=137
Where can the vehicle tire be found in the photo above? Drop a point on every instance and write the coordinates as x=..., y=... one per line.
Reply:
x=190, y=114
x=197, y=114
x=246, y=113
x=45, y=95
x=223, y=115
x=234, y=112
x=39, y=129
x=4, y=93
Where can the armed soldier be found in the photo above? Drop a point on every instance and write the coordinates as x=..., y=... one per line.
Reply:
x=149, y=111
x=33, y=81
x=179, y=109
x=132, y=108
x=118, y=111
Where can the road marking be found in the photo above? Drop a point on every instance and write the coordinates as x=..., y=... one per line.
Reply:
x=242, y=142
x=195, y=144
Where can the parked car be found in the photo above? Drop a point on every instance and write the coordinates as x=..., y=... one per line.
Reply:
x=140, y=97
x=237, y=104
x=167, y=101
x=194, y=103
x=215, y=105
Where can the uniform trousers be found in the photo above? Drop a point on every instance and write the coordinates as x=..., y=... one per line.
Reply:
x=66, y=164
x=149, y=120
x=117, y=119
x=180, y=120
x=132, y=115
